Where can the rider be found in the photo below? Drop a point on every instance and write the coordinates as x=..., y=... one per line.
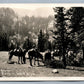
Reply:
x=12, y=45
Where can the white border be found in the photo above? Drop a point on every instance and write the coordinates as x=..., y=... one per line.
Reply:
x=44, y=78
x=42, y=5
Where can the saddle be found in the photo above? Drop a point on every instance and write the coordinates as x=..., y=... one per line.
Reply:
x=30, y=50
x=16, y=50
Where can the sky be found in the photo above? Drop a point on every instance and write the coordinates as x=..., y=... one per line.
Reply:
x=43, y=10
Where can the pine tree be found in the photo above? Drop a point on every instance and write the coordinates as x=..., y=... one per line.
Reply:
x=61, y=31
x=40, y=41
x=76, y=15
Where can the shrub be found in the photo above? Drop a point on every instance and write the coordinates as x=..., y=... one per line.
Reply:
x=56, y=64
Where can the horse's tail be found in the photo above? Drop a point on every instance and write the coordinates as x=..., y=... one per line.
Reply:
x=10, y=55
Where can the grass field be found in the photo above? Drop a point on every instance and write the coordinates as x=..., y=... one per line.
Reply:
x=25, y=70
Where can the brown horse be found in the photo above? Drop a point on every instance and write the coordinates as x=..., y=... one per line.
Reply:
x=33, y=53
x=20, y=53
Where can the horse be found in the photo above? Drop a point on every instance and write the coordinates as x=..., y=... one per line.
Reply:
x=20, y=53
x=48, y=56
x=34, y=53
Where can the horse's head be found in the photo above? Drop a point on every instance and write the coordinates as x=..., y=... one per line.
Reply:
x=41, y=57
x=25, y=50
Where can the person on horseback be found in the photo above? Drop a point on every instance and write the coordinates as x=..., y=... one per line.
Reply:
x=12, y=45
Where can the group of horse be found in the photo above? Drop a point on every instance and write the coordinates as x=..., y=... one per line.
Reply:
x=32, y=54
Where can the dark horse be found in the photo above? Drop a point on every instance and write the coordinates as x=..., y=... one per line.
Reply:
x=20, y=53
x=33, y=53
x=48, y=56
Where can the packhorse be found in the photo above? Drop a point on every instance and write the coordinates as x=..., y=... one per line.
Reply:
x=34, y=54
x=20, y=53
x=48, y=56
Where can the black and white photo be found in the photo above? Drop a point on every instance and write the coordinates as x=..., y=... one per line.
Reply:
x=41, y=40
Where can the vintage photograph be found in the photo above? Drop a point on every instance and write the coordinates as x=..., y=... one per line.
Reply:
x=41, y=40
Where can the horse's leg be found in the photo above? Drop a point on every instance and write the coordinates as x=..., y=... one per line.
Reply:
x=21, y=59
x=30, y=59
x=31, y=62
x=18, y=60
x=48, y=62
x=34, y=61
x=38, y=61
x=24, y=59
x=10, y=57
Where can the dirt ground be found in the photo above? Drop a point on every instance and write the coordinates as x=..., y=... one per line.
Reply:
x=25, y=70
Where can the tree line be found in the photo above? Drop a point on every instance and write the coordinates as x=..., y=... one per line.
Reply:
x=20, y=29
x=70, y=29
